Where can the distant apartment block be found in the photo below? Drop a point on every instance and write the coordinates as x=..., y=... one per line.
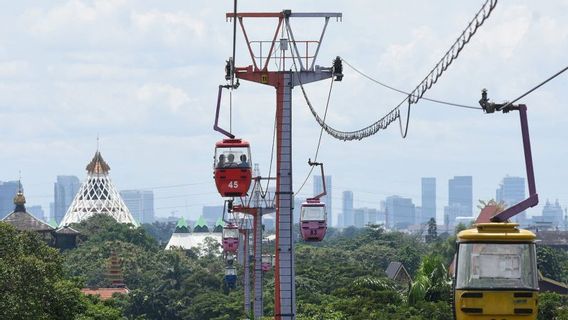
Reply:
x=428, y=207
x=140, y=203
x=318, y=188
x=347, y=207
x=64, y=191
x=401, y=212
x=212, y=213
x=460, y=199
x=512, y=191
x=8, y=190
x=37, y=211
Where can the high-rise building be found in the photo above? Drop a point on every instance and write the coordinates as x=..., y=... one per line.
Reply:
x=512, y=191
x=428, y=199
x=140, y=203
x=64, y=190
x=37, y=211
x=372, y=216
x=212, y=213
x=553, y=214
x=8, y=191
x=348, y=219
x=359, y=217
x=297, y=208
x=460, y=198
x=318, y=188
x=340, y=220
x=401, y=212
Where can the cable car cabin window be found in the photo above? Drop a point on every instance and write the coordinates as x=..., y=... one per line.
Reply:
x=230, y=271
x=496, y=266
x=230, y=233
x=266, y=258
x=313, y=213
x=238, y=157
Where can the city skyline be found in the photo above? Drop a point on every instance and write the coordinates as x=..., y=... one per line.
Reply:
x=364, y=199
x=144, y=78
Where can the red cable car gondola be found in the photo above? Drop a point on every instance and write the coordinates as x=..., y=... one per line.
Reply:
x=233, y=173
x=230, y=238
x=313, y=216
x=267, y=262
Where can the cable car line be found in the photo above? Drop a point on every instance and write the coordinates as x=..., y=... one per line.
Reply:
x=536, y=87
x=263, y=195
x=321, y=131
x=404, y=92
x=441, y=66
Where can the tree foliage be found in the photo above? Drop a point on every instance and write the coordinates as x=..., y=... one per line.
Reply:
x=32, y=282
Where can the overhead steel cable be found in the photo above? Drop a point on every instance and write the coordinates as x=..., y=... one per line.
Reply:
x=263, y=195
x=536, y=87
x=415, y=95
x=319, y=139
x=404, y=92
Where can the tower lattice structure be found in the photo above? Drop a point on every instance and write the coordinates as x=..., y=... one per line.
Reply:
x=97, y=195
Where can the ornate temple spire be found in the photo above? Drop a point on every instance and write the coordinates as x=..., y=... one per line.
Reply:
x=97, y=195
x=98, y=165
x=19, y=199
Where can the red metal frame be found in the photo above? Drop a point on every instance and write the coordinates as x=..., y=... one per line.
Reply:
x=261, y=74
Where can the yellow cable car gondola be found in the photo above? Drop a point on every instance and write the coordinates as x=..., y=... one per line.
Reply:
x=496, y=273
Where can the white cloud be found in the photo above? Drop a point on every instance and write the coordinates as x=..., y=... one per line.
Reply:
x=14, y=69
x=173, y=28
x=159, y=93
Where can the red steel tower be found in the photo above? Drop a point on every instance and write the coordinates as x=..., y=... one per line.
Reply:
x=301, y=56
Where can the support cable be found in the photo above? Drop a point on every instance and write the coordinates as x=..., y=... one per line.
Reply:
x=404, y=92
x=319, y=139
x=415, y=95
x=232, y=66
x=263, y=195
x=536, y=87
x=312, y=109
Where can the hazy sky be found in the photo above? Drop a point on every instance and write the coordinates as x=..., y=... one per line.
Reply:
x=143, y=75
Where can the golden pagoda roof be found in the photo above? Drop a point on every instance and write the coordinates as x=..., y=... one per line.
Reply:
x=98, y=165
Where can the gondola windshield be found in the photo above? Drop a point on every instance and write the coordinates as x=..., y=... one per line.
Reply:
x=496, y=266
x=315, y=213
x=233, y=157
x=230, y=233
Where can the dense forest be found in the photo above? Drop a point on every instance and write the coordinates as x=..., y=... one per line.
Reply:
x=342, y=277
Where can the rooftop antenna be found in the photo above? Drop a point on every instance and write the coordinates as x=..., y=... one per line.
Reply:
x=20, y=181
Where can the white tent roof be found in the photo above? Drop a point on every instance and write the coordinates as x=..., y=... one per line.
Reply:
x=187, y=241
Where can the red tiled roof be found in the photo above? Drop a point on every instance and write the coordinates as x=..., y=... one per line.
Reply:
x=104, y=293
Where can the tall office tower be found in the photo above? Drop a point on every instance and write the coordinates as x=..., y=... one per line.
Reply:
x=318, y=188
x=340, y=220
x=553, y=214
x=401, y=212
x=212, y=213
x=8, y=191
x=297, y=208
x=64, y=191
x=359, y=217
x=140, y=203
x=372, y=216
x=37, y=211
x=428, y=199
x=512, y=191
x=460, y=198
x=348, y=219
